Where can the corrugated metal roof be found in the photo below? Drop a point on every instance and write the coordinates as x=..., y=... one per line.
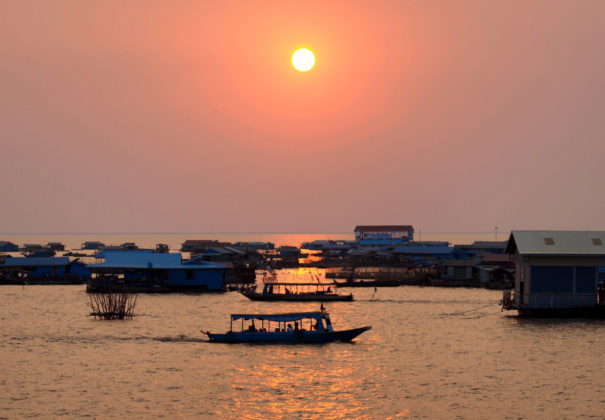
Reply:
x=557, y=242
x=35, y=261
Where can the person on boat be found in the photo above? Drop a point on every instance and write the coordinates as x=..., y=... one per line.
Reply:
x=296, y=329
x=252, y=328
x=316, y=325
x=287, y=291
x=290, y=328
x=321, y=308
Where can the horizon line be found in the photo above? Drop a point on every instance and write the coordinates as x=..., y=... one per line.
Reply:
x=233, y=233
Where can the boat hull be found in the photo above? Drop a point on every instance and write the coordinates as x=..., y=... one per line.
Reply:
x=301, y=337
x=299, y=297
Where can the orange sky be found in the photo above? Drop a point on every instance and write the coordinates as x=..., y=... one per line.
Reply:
x=144, y=116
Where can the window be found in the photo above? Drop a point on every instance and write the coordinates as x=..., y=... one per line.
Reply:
x=597, y=241
x=552, y=279
x=549, y=241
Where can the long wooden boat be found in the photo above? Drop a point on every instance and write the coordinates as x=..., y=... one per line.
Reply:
x=277, y=328
x=296, y=292
x=369, y=283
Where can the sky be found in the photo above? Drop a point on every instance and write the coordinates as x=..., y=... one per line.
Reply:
x=187, y=116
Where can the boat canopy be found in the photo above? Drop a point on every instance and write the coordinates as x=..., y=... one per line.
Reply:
x=289, y=317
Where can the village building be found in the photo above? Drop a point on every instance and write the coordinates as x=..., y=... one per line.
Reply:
x=92, y=245
x=42, y=270
x=556, y=272
x=196, y=246
x=6, y=246
x=464, y=272
x=480, y=248
x=255, y=245
x=148, y=271
x=56, y=246
x=383, y=234
x=445, y=252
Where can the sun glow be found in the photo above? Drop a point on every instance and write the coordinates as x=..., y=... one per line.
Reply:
x=303, y=59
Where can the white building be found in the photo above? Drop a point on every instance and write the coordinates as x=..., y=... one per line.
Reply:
x=404, y=233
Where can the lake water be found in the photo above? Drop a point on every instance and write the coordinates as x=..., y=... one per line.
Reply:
x=432, y=353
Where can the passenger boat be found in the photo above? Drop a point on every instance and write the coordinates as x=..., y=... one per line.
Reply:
x=370, y=283
x=299, y=327
x=299, y=292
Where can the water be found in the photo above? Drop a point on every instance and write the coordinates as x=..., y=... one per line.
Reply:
x=432, y=353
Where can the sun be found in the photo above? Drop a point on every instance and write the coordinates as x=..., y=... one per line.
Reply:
x=303, y=59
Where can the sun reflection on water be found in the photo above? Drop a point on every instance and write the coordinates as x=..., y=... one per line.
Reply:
x=293, y=381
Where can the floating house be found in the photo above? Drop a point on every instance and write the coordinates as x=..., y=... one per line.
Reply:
x=32, y=247
x=222, y=254
x=492, y=277
x=199, y=245
x=556, y=273
x=6, y=246
x=255, y=245
x=498, y=260
x=445, y=252
x=56, y=246
x=43, y=270
x=462, y=271
x=92, y=245
x=383, y=234
x=37, y=250
x=288, y=251
x=479, y=248
x=148, y=271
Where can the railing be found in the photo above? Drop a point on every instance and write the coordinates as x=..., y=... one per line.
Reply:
x=561, y=300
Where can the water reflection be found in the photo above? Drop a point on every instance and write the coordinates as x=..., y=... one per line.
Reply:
x=292, y=381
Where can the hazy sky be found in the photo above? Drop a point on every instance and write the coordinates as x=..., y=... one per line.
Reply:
x=176, y=116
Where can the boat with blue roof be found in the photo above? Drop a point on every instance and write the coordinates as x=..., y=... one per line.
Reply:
x=295, y=327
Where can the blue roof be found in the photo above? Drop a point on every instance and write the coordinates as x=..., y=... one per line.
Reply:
x=147, y=259
x=35, y=261
x=424, y=250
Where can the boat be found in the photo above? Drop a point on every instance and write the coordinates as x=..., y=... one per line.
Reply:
x=297, y=327
x=351, y=282
x=296, y=292
x=369, y=283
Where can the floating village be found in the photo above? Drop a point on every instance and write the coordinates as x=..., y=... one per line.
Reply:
x=540, y=273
